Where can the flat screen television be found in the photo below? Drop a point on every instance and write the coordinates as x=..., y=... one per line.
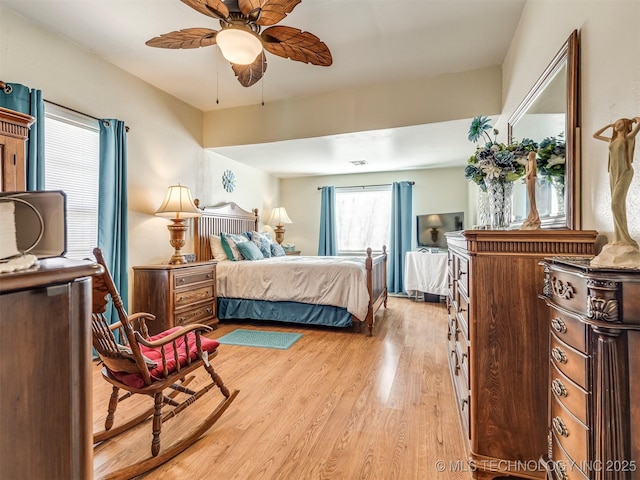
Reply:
x=430, y=228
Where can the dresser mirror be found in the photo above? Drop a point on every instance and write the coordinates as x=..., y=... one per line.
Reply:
x=549, y=116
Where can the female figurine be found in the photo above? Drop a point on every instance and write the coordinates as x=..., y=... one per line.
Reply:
x=621, y=145
x=531, y=170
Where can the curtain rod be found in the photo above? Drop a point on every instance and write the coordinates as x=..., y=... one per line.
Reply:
x=80, y=113
x=3, y=85
x=365, y=186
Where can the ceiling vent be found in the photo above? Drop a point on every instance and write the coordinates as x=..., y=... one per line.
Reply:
x=358, y=162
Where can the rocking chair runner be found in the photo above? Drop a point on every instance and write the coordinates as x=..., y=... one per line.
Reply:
x=150, y=365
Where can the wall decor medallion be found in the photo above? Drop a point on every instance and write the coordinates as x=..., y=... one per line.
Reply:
x=228, y=180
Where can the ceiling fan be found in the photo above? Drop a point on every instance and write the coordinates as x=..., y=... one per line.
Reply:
x=241, y=40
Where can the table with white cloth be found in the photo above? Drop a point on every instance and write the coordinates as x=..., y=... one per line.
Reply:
x=425, y=272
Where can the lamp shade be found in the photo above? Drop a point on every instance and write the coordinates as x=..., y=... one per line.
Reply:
x=178, y=204
x=279, y=216
x=238, y=45
x=434, y=221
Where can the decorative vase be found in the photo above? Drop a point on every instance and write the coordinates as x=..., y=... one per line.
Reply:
x=484, y=214
x=558, y=185
x=500, y=194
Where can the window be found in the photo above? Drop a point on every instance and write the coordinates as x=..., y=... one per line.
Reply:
x=72, y=164
x=363, y=218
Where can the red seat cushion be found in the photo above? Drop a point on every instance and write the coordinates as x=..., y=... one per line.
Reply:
x=136, y=380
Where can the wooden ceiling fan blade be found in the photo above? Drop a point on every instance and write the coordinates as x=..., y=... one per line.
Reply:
x=296, y=45
x=187, y=38
x=211, y=8
x=249, y=74
x=271, y=11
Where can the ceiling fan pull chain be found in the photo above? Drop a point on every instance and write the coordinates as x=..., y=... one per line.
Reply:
x=262, y=79
x=217, y=82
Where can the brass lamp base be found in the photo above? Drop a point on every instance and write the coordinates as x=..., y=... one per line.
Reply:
x=178, y=231
x=279, y=233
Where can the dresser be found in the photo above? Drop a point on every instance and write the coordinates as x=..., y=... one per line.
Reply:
x=594, y=373
x=14, y=131
x=176, y=294
x=45, y=371
x=498, y=339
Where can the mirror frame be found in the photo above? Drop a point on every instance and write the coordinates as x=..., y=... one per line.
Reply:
x=569, y=54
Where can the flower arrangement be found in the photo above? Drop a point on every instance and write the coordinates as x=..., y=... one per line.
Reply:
x=493, y=160
x=552, y=158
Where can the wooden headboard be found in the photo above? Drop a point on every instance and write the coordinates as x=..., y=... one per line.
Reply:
x=224, y=217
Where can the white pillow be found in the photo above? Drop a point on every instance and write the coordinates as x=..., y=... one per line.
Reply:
x=216, y=248
x=8, y=243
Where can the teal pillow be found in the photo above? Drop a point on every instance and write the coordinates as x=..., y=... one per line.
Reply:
x=277, y=250
x=250, y=251
x=230, y=243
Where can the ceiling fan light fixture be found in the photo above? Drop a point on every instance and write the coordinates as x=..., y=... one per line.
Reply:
x=238, y=45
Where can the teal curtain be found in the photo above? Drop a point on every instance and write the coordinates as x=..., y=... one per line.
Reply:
x=401, y=223
x=25, y=100
x=328, y=242
x=112, y=205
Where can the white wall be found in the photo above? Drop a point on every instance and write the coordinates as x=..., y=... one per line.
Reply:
x=165, y=137
x=435, y=190
x=610, y=84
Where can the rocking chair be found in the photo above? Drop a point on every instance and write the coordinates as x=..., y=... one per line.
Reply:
x=150, y=366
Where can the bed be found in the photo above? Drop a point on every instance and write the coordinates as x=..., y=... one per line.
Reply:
x=333, y=291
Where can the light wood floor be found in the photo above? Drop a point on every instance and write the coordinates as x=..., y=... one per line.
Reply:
x=337, y=405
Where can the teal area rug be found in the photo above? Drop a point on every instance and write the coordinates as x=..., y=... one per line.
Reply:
x=260, y=338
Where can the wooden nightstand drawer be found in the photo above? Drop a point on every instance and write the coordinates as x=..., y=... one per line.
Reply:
x=570, y=361
x=569, y=329
x=572, y=436
x=569, y=394
x=568, y=291
x=188, y=297
x=196, y=315
x=565, y=467
x=195, y=276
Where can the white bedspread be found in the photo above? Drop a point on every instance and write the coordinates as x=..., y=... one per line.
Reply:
x=337, y=281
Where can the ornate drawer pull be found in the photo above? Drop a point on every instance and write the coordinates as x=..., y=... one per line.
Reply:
x=457, y=365
x=209, y=275
x=461, y=273
x=558, y=325
x=209, y=311
x=561, y=469
x=464, y=403
x=558, y=388
x=558, y=355
x=560, y=427
x=181, y=280
x=461, y=309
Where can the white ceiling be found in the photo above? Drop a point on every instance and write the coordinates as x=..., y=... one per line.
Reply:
x=371, y=41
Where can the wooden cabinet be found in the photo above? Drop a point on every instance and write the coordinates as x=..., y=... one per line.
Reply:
x=14, y=130
x=498, y=341
x=45, y=371
x=594, y=373
x=176, y=294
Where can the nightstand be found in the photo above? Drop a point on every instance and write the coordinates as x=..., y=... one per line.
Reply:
x=294, y=253
x=176, y=294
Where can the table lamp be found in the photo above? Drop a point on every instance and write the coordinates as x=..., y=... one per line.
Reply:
x=434, y=222
x=178, y=206
x=278, y=217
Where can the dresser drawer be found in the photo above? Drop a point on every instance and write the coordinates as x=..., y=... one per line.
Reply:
x=569, y=329
x=569, y=394
x=196, y=275
x=568, y=291
x=571, y=362
x=195, y=315
x=572, y=436
x=463, y=313
x=188, y=297
x=462, y=274
x=564, y=467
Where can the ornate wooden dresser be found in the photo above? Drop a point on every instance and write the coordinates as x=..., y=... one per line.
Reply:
x=594, y=371
x=498, y=343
